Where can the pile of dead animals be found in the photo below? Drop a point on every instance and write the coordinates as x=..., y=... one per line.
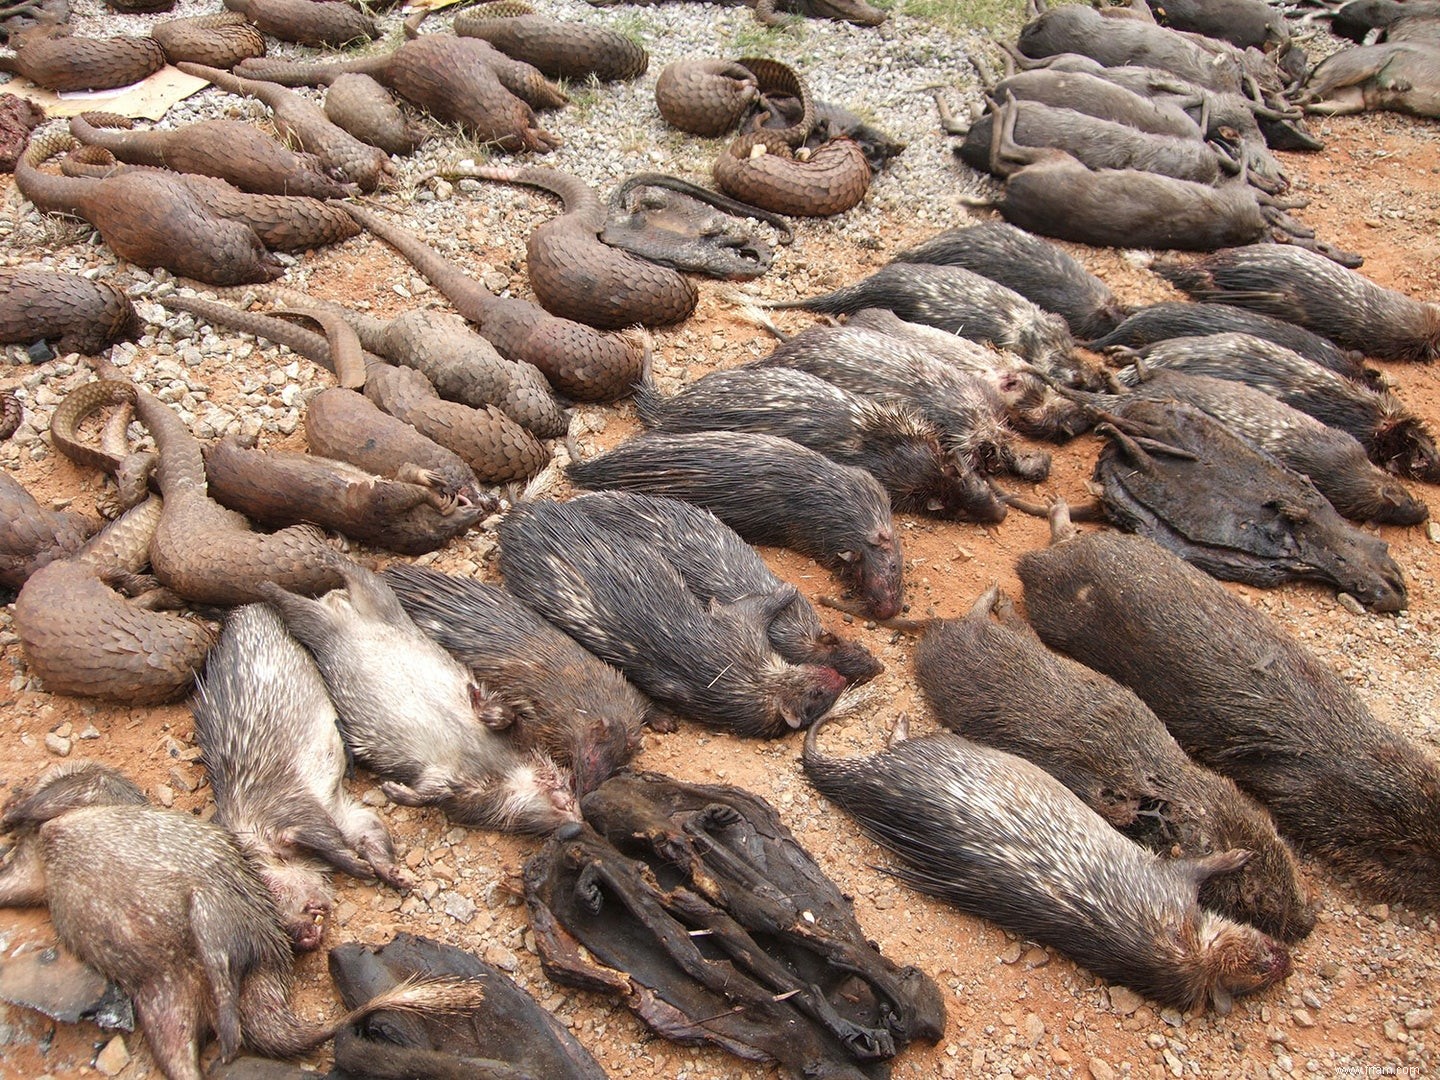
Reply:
x=1160, y=761
x=1127, y=126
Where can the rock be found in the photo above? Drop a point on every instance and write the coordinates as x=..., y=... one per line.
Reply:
x=1302, y=1018
x=1035, y=1028
x=1416, y=1019
x=459, y=907
x=501, y=957
x=1101, y=1070
x=1124, y=1001
x=57, y=745
x=113, y=1058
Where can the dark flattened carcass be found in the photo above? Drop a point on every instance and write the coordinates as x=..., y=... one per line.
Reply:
x=168, y=907
x=1395, y=438
x=1173, y=474
x=1048, y=277
x=962, y=302
x=770, y=491
x=681, y=225
x=1002, y=839
x=718, y=566
x=1311, y=291
x=994, y=682
x=559, y=698
x=1244, y=697
x=414, y=716
x=506, y=1035
x=902, y=449
x=779, y=968
x=1175, y=319
x=834, y=121
x=268, y=737
x=625, y=602
x=1333, y=460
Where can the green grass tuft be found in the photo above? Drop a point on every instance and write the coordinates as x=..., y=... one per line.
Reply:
x=1004, y=17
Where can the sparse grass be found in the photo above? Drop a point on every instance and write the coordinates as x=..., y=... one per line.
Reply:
x=584, y=95
x=1004, y=17
x=756, y=39
x=635, y=24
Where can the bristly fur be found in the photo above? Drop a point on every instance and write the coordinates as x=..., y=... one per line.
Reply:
x=558, y=697
x=1172, y=319
x=1002, y=839
x=1393, y=437
x=616, y=593
x=1314, y=292
x=268, y=737
x=1038, y=270
x=408, y=709
x=770, y=490
x=1242, y=696
x=718, y=566
x=955, y=299
x=1029, y=400
x=901, y=448
x=964, y=409
x=994, y=682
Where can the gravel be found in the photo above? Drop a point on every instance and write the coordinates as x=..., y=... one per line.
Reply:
x=1364, y=992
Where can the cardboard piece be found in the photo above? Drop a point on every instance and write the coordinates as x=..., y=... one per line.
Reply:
x=148, y=99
